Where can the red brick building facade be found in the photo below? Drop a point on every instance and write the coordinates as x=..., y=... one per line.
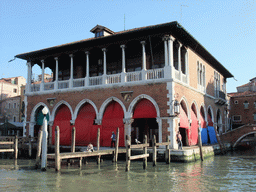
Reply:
x=153, y=80
x=243, y=105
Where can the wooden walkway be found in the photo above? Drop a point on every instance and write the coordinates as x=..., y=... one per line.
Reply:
x=12, y=144
x=58, y=157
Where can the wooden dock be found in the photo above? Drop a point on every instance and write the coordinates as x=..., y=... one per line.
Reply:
x=58, y=157
x=13, y=144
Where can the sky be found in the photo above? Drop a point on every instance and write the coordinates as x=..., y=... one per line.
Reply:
x=226, y=28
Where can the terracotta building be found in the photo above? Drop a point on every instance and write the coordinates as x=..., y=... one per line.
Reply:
x=243, y=105
x=150, y=80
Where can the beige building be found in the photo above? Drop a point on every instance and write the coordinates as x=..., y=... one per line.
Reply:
x=11, y=87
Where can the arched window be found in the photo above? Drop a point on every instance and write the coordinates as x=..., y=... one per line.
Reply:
x=254, y=117
x=254, y=104
x=183, y=60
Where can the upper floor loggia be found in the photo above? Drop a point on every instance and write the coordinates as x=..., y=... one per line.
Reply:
x=149, y=54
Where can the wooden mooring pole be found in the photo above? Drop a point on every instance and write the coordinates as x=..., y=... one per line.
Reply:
x=154, y=150
x=29, y=147
x=200, y=144
x=128, y=152
x=116, y=146
x=145, y=159
x=98, y=145
x=39, y=146
x=57, y=149
x=16, y=147
x=167, y=151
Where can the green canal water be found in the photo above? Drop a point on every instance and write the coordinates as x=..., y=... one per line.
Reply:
x=231, y=172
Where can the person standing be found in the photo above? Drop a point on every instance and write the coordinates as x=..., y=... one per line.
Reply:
x=113, y=139
x=179, y=140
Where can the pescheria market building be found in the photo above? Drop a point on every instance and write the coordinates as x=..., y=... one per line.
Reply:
x=153, y=80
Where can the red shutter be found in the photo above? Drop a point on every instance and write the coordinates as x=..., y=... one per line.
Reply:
x=86, y=132
x=144, y=109
x=210, y=123
x=203, y=122
x=112, y=118
x=62, y=119
x=183, y=119
x=194, y=129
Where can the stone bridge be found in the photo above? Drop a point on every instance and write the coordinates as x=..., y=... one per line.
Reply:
x=236, y=135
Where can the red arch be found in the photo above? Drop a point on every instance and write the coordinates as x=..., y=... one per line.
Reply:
x=112, y=119
x=144, y=109
x=86, y=131
x=62, y=119
x=194, y=129
x=202, y=119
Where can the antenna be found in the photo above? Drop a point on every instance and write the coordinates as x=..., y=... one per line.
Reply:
x=181, y=12
x=124, y=22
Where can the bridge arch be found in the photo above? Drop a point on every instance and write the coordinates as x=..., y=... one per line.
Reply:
x=243, y=136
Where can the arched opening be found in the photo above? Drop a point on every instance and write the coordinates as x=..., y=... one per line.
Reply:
x=112, y=119
x=210, y=129
x=144, y=115
x=219, y=122
x=39, y=117
x=62, y=119
x=194, y=126
x=204, y=131
x=184, y=124
x=86, y=131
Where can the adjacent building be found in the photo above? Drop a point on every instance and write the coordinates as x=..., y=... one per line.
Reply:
x=153, y=80
x=243, y=105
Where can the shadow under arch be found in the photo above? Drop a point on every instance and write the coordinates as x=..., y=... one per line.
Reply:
x=146, y=119
x=36, y=118
x=242, y=137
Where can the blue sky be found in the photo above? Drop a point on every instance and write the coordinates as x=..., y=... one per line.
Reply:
x=226, y=28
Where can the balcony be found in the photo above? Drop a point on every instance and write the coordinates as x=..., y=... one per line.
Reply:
x=220, y=98
x=136, y=77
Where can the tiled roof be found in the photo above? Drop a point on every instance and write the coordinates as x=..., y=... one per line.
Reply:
x=246, y=93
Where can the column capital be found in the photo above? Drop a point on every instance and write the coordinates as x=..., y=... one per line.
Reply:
x=128, y=121
x=122, y=46
x=56, y=58
x=87, y=52
x=42, y=61
x=104, y=49
x=143, y=42
x=71, y=55
x=29, y=63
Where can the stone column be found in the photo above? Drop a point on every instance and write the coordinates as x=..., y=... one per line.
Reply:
x=123, y=74
x=179, y=60
x=71, y=70
x=165, y=52
x=104, y=65
x=28, y=86
x=56, y=73
x=87, y=69
x=171, y=39
x=143, y=60
x=42, y=80
x=160, y=131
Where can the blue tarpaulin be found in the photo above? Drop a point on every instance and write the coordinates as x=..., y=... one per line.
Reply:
x=212, y=135
x=204, y=136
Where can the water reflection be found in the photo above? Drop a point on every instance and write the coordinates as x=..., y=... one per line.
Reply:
x=232, y=172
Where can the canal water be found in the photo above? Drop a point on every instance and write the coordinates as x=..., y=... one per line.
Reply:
x=235, y=171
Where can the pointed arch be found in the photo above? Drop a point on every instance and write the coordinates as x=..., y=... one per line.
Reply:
x=86, y=130
x=55, y=109
x=81, y=103
x=193, y=136
x=62, y=114
x=33, y=112
x=137, y=99
x=105, y=104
